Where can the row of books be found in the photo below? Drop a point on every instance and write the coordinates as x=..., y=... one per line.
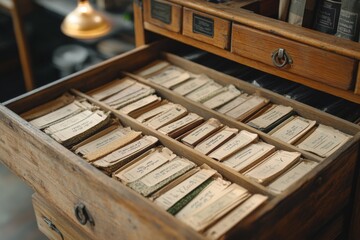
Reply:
x=278, y=121
x=339, y=17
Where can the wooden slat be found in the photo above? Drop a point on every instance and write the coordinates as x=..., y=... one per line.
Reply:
x=6, y=4
x=348, y=95
x=138, y=24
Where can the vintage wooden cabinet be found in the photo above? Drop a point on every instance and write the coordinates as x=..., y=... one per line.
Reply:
x=74, y=200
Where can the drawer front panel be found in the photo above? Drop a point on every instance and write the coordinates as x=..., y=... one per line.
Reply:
x=313, y=63
x=53, y=223
x=163, y=14
x=206, y=28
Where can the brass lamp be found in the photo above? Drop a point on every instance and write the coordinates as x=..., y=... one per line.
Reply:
x=85, y=22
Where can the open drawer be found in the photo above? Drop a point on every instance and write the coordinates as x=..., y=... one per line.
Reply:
x=67, y=181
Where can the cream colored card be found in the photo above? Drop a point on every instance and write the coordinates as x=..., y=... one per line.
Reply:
x=132, y=98
x=290, y=177
x=156, y=111
x=246, y=108
x=191, y=117
x=176, y=80
x=246, y=158
x=146, y=165
x=293, y=130
x=169, y=198
x=166, y=171
x=218, y=207
x=270, y=117
x=202, y=132
x=111, y=88
x=60, y=126
x=57, y=115
x=167, y=117
x=213, y=190
x=223, y=98
x=107, y=143
x=48, y=107
x=169, y=74
x=126, y=151
x=234, y=103
x=216, y=140
x=79, y=128
x=195, y=82
x=206, y=92
x=273, y=166
x=140, y=104
x=127, y=93
x=235, y=216
x=153, y=68
x=233, y=145
x=324, y=141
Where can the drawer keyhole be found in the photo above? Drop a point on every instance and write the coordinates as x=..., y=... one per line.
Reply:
x=83, y=215
x=281, y=58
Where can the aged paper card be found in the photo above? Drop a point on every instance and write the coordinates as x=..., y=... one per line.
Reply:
x=233, y=145
x=223, y=98
x=195, y=82
x=324, y=141
x=273, y=166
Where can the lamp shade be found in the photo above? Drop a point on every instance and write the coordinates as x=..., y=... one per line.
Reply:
x=85, y=23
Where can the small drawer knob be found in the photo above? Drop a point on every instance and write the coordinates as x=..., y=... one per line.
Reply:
x=83, y=215
x=281, y=58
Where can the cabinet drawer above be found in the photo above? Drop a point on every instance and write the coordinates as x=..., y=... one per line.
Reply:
x=163, y=14
x=297, y=58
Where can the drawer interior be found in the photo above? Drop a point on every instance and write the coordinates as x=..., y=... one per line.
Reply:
x=80, y=170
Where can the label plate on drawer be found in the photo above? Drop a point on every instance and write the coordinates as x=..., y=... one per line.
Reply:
x=161, y=11
x=203, y=25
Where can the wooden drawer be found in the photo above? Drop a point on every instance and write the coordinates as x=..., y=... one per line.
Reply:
x=67, y=180
x=207, y=28
x=164, y=14
x=322, y=66
x=53, y=223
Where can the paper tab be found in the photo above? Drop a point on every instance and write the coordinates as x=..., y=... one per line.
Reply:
x=214, y=189
x=233, y=145
x=111, y=88
x=270, y=117
x=234, y=103
x=153, y=68
x=167, y=117
x=246, y=158
x=172, y=196
x=273, y=166
x=291, y=131
x=203, y=131
x=140, y=104
x=152, y=113
x=223, y=98
x=206, y=92
x=194, y=83
x=324, y=141
x=235, y=216
x=292, y=176
x=191, y=117
x=211, y=143
x=247, y=108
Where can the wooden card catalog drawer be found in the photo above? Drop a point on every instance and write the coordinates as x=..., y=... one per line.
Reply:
x=206, y=28
x=164, y=14
x=310, y=62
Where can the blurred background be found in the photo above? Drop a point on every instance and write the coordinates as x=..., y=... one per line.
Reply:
x=34, y=52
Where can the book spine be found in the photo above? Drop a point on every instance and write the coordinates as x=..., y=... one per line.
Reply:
x=327, y=16
x=296, y=12
x=348, y=26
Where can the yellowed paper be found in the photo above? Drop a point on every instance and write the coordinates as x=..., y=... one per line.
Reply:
x=167, y=117
x=191, y=117
x=241, y=112
x=234, y=103
x=206, y=92
x=111, y=88
x=140, y=104
x=271, y=116
x=195, y=82
x=152, y=113
x=223, y=98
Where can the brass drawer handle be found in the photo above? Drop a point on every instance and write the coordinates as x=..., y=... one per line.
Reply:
x=83, y=215
x=281, y=58
x=53, y=227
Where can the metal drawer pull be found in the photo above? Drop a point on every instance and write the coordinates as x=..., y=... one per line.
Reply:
x=83, y=215
x=52, y=227
x=281, y=58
